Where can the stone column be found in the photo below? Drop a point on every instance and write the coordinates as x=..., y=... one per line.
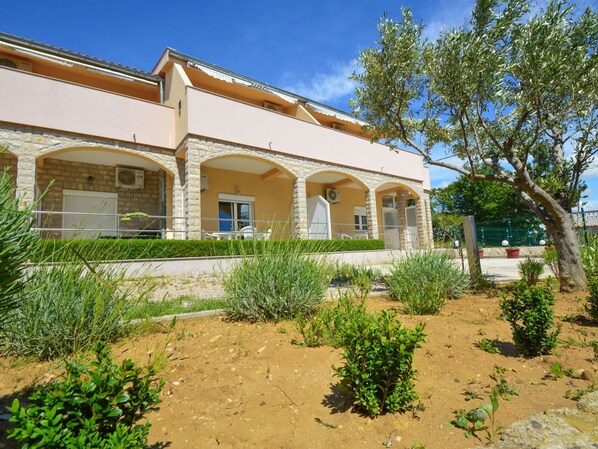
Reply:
x=299, y=209
x=372, y=214
x=428, y=219
x=192, y=194
x=401, y=205
x=26, y=179
x=422, y=223
x=177, y=208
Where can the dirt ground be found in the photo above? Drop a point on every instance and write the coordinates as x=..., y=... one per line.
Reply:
x=240, y=385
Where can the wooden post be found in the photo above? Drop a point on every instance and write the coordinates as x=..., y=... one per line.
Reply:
x=471, y=241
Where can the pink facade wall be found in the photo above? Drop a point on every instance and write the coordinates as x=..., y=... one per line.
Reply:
x=221, y=118
x=35, y=100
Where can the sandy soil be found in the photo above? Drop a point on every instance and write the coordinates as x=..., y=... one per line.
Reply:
x=239, y=385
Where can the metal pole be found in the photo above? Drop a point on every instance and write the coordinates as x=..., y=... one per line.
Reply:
x=471, y=241
x=585, y=228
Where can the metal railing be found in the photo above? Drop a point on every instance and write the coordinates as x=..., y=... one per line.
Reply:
x=94, y=225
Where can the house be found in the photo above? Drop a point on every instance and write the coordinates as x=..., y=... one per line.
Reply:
x=192, y=151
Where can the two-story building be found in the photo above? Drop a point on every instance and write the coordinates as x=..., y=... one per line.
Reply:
x=194, y=151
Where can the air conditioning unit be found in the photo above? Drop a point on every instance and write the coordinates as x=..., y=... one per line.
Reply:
x=204, y=182
x=337, y=126
x=272, y=106
x=129, y=178
x=333, y=196
x=15, y=63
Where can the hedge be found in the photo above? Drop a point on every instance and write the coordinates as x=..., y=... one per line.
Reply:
x=130, y=249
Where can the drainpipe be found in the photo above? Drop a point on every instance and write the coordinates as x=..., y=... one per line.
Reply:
x=161, y=84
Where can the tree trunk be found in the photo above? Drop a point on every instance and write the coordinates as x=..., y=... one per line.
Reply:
x=572, y=276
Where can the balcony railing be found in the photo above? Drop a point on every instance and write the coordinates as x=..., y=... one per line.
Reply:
x=83, y=225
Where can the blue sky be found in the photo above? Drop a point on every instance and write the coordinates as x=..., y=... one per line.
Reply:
x=308, y=47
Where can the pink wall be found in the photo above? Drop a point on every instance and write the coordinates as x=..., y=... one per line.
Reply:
x=34, y=100
x=221, y=118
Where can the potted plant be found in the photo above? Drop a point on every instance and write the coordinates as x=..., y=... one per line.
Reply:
x=512, y=251
x=480, y=251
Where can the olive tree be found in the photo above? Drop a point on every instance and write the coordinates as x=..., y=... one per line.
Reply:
x=514, y=91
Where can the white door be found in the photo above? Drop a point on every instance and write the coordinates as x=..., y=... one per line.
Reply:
x=89, y=215
x=411, y=221
x=390, y=222
x=318, y=218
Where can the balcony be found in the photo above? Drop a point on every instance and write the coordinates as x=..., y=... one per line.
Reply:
x=214, y=116
x=34, y=100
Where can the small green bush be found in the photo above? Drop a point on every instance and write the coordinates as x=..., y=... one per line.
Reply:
x=67, y=308
x=96, y=406
x=359, y=279
x=592, y=305
x=424, y=281
x=530, y=312
x=117, y=249
x=530, y=270
x=589, y=256
x=551, y=259
x=328, y=326
x=378, y=372
x=275, y=284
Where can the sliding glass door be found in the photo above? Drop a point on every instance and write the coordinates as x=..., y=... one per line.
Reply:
x=233, y=215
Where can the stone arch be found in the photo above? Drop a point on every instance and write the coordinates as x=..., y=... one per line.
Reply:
x=252, y=156
x=387, y=185
x=338, y=171
x=165, y=162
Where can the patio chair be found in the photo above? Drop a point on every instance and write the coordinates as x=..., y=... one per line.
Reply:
x=266, y=235
x=248, y=232
x=343, y=236
x=205, y=235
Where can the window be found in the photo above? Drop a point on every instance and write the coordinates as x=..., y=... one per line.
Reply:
x=360, y=218
x=234, y=212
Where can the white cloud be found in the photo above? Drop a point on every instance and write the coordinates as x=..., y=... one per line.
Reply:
x=591, y=172
x=326, y=87
x=449, y=15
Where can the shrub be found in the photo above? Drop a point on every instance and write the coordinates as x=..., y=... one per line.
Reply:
x=589, y=256
x=530, y=270
x=278, y=282
x=328, y=326
x=116, y=249
x=94, y=406
x=65, y=309
x=378, y=372
x=530, y=313
x=550, y=257
x=17, y=244
x=592, y=305
x=359, y=279
x=424, y=281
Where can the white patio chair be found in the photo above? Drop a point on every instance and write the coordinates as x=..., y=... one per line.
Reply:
x=248, y=232
x=266, y=235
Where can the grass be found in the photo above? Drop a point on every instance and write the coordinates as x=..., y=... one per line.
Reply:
x=175, y=306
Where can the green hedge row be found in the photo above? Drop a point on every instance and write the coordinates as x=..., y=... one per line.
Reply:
x=64, y=250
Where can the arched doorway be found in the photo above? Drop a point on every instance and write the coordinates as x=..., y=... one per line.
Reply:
x=346, y=217
x=246, y=197
x=397, y=215
x=95, y=192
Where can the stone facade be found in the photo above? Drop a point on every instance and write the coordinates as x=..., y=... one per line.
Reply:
x=182, y=177
x=60, y=175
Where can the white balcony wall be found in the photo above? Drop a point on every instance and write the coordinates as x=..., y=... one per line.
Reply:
x=214, y=116
x=34, y=100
